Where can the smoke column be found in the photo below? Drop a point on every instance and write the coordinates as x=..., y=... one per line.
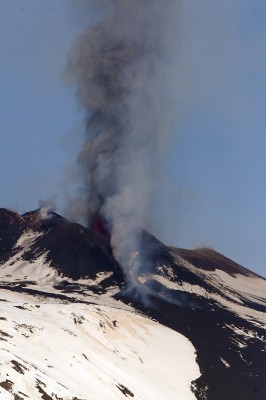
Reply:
x=123, y=67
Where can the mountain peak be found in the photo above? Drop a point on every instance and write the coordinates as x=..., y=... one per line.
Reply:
x=217, y=305
x=209, y=260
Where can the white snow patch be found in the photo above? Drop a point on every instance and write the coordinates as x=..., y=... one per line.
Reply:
x=27, y=238
x=37, y=270
x=89, y=351
x=250, y=288
x=100, y=277
x=185, y=287
x=17, y=269
x=254, y=287
x=246, y=334
x=225, y=362
x=5, y=395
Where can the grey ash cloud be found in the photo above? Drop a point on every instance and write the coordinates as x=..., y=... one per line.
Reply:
x=123, y=66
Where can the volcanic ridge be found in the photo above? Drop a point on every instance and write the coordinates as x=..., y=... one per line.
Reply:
x=72, y=327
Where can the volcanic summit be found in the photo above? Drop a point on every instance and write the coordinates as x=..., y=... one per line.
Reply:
x=193, y=328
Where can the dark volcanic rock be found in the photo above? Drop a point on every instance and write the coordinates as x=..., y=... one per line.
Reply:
x=75, y=251
x=40, y=221
x=12, y=225
x=232, y=368
x=210, y=260
x=182, y=289
x=208, y=329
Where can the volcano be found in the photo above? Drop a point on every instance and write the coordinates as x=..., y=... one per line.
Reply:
x=71, y=328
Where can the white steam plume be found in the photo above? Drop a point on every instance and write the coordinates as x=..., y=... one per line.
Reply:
x=47, y=207
x=123, y=69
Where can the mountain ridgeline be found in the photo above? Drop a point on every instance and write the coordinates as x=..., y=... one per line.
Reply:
x=211, y=300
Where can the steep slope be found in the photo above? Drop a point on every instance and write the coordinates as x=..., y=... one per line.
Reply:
x=201, y=295
x=224, y=317
x=11, y=227
x=54, y=350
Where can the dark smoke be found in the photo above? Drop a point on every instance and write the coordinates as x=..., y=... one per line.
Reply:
x=123, y=67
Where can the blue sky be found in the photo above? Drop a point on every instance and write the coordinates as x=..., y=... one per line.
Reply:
x=215, y=171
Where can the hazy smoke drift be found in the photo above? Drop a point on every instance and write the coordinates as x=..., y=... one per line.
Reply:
x=123, y=70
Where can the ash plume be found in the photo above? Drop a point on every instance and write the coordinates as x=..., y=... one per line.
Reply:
x=123, y=67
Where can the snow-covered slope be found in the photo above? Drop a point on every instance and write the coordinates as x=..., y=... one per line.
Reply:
x=241, y=292
x=70, y=328
x=89, y=351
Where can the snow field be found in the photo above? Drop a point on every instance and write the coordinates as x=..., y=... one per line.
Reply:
x=90, y=352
